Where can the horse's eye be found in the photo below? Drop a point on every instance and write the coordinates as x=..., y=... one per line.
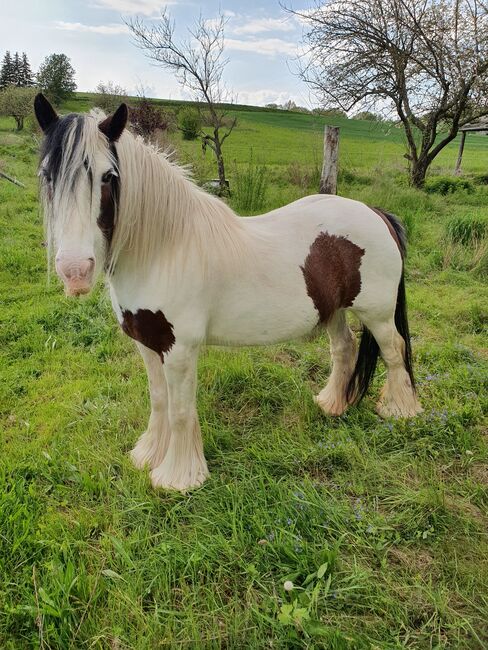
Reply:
x=107, y=177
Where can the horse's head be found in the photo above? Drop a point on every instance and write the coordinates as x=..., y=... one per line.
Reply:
x=80, y=187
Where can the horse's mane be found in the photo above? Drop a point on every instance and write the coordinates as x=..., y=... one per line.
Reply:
x=159, y=205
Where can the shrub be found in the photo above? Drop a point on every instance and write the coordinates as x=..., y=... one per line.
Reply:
x=481, y=179
x=146, y=118
x=110, y=96
x=448, y=185
x=190, y=123
x=250, y=187
x=466, y=230
x=351, y=177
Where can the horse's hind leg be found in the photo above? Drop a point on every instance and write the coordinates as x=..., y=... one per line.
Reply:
x=332, y=399
x=398, y=397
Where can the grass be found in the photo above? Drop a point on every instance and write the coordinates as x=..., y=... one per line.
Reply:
x=380, y=525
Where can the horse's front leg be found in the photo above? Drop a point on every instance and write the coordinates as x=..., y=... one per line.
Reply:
x=152, y=445
x=184, y=465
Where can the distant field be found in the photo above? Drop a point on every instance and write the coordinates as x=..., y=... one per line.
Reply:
x=279, y=137
x=381, y=525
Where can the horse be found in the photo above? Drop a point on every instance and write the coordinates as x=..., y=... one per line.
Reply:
x=184, y=270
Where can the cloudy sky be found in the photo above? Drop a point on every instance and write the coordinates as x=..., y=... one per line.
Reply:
x=262, y=42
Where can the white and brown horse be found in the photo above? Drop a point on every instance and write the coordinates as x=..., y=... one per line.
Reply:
x=184, y=270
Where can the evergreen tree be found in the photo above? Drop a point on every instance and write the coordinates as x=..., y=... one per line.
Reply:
x=17, y=72
x=7, y=76
x=27, y=75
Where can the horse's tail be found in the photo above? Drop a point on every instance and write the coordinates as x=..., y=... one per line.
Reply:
x=368, y=347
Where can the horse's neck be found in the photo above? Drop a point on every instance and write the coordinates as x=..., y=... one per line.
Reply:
x=168, y=217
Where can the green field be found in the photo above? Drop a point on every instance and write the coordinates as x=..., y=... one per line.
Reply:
x=380, y=525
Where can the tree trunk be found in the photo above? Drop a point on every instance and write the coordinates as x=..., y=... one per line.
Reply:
x=328, y=180
x=457, y=170
x=20, y=123
x=220, y=166
x=418, y=171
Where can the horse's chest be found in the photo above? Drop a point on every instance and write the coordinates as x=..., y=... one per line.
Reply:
x=151, y=328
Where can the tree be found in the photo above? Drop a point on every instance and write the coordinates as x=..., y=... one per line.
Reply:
x=110, y=96
x=17, y=70
x=7, y=74
x=26, y=74
x=56, y=77
x=198, y=64
x=17, y=102
x=425, y=59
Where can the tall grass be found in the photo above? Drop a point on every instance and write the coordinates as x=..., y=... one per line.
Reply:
x=250, y=186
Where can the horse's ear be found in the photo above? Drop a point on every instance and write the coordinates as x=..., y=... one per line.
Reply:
x=113, y=125
x=45, y=113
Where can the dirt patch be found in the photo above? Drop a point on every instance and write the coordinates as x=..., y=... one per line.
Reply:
x=417, y=561
x=461, y=506
x=479, y=471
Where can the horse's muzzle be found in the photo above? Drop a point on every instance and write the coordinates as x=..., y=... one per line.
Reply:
x=76, y=274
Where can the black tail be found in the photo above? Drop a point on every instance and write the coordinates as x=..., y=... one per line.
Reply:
x=368, y=348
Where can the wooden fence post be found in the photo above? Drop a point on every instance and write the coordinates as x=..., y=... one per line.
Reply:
x=328, y=180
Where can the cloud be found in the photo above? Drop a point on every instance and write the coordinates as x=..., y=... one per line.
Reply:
x=264, y=46
x=258, y=25
x=112, y=28
x=143, y=7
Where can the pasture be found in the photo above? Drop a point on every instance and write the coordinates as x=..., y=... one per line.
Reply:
x=381, y=526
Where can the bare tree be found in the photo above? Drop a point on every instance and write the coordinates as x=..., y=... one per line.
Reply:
x=425, y=59
x=198, y=64
x=110, y=96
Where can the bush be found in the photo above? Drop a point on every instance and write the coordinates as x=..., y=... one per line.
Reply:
x=448, y=185
x=250, y=187
x=110, y=96
x=146, y=119
x=481, y=179
x=190, y=123
x=466, y=230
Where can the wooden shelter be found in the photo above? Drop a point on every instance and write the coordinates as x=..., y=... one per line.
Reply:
x=475, y=127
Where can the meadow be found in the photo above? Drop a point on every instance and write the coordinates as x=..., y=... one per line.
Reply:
x=381, y=526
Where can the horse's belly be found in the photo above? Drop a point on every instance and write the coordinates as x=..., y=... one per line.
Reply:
x=251, y=316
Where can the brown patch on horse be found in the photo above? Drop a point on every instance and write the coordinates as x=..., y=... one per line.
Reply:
x=331, y=272
x=389, y=226
x=149, y=328
x=106, y=217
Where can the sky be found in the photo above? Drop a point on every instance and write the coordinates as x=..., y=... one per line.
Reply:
x=262, y=43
